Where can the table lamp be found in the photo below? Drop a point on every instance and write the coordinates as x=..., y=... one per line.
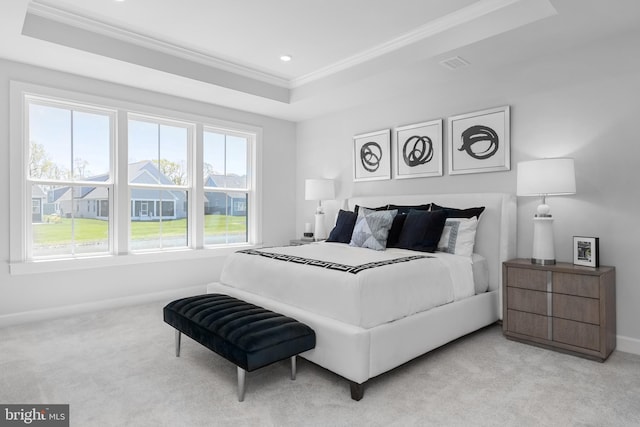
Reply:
x=542, y=178
x=319, y=189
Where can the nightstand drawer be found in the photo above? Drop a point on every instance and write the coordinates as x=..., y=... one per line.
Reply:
x=528, y=300
x=530, y=324
x=527, y=279
x=576, y=333
x=576, y=308
x=576, y=284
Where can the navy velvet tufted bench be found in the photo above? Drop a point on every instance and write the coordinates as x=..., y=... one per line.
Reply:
x=247, y=335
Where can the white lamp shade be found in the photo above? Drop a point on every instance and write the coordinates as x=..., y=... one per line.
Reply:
x=546, y=177
x=319, y=189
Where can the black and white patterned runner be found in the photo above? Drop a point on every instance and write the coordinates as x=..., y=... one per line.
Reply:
x=354, y=269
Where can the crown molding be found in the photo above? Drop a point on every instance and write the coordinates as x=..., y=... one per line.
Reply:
x=447, y=22
x=49, y=11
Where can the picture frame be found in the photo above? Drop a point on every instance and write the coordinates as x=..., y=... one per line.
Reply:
x=372, y=156
x=417, y=150
x=586, y=251
x=480, y=141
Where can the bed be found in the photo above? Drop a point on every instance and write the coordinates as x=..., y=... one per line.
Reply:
x=360, y=333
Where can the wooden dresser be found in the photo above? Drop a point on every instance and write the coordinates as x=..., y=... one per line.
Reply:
x=562, y=307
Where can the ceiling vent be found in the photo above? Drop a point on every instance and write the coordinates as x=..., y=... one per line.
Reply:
x=455, y=63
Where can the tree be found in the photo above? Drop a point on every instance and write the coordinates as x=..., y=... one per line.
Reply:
x=172, y=170
x=208, y=169
x=81, y=167
x=41, y=166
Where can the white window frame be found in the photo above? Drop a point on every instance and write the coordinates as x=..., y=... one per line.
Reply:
x=187, y=188
x=250, y=179
x=20, y=197
x=71, y=182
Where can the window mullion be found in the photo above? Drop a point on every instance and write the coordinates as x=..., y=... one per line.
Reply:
x=73, y=188
x=197, y=185
x=121, y=212
x=161, y=187
x=227, y=190
x=254, y=210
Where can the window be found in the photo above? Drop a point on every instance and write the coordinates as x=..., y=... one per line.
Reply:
x=69, y=158
x=36, y=210
x=168, y=181
x=158, y=181
x=225, y=186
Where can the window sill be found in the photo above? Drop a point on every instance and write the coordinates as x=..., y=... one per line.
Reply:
x=52, y=266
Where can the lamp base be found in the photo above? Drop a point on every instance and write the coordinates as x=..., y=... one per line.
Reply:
x=543, y=250
x=320, y=232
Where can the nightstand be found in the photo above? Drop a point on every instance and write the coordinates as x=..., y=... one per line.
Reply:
x=562, y=307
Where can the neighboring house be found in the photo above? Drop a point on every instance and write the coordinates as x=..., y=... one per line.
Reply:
x=232, y=203
x=58, y=201
x=146, y=204
x=85, y=202
x=93, y=203
x=38, y=199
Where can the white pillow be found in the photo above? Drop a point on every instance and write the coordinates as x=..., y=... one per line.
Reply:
x=458, y=236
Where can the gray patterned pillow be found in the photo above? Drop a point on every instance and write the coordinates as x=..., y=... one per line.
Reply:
x=372, y=228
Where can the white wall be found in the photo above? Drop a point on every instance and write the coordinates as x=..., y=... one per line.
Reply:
x=585, y=105
x=32, y=296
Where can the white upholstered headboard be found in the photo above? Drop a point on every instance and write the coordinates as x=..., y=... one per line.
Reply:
x=496, y=234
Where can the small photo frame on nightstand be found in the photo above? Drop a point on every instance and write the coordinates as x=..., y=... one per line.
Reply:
x=586, y=251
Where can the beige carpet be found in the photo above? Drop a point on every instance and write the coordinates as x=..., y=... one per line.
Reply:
x=118, y=368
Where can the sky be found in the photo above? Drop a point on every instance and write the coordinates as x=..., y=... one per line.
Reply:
x=51, y=127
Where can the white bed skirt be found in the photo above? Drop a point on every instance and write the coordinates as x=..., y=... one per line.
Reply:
x=358, y=354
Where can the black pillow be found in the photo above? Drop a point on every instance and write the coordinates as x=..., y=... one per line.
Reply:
x=343, y=230
x=422, y=230
x=398, y=221
x=379, y=208
x=396, y=228
x=405, y=209
x=459, y=213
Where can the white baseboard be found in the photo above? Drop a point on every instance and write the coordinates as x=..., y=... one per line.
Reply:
x=628, y=345
x=70, y=310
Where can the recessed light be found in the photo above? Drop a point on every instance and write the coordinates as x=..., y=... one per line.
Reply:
x=286, y=58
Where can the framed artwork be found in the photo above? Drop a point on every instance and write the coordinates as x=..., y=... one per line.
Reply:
x=480, y=142
x=372, y=156
x=418, y=150
x=586, y=251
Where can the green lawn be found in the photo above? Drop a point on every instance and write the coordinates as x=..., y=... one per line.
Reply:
x=92, y=230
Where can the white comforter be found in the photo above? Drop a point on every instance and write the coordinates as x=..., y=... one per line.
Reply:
x=366, y=299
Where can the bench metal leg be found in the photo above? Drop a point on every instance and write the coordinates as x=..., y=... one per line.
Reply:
x=293, y=368
x=241, y=377
x=178, y=343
